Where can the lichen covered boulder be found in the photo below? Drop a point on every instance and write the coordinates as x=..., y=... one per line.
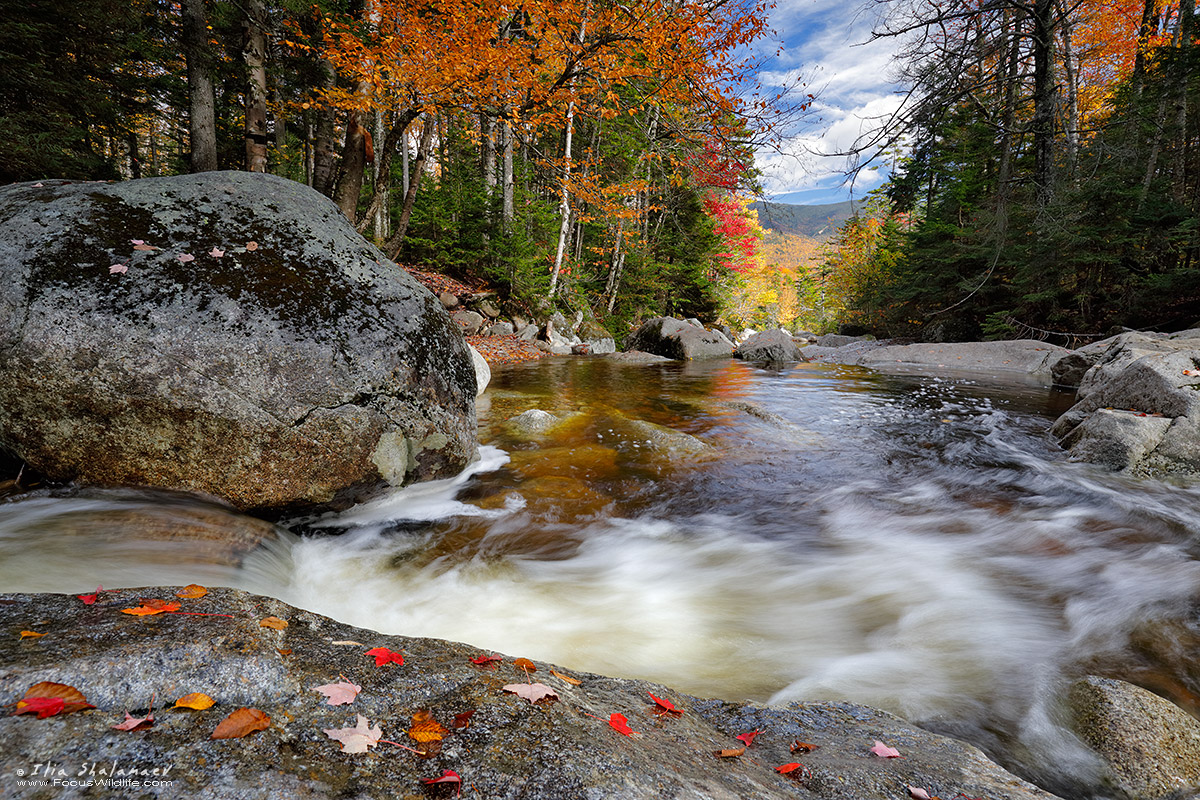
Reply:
x=676, y=339
x=225, y=333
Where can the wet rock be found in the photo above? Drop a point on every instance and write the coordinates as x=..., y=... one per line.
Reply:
x=253, y=347
x=483, y=373
x=772, y=346
x=1138, y=408
x=679, y=340
x=556, y=750
x=533, y=422
x=1151, y=746
x=528, y=333
x=1025, y=356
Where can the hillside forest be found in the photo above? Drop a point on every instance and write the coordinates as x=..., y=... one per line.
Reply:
x=569, y=154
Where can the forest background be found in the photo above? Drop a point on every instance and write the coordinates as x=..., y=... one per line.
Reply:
x=589, y=154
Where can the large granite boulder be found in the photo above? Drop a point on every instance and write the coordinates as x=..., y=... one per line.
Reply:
x=773, y=346
x=226, y=333
x=1151, y=746
x=1021, y=356
x=499, y=744
x=679, y=340
x=1138, y=407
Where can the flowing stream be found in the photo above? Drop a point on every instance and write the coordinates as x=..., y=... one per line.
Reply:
x=811, y=532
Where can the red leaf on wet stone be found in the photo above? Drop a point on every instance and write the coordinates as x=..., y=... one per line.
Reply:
x=883, y=751
x=621, y=725
x=385, y=656
x=47, y=699
x=463, y=720
x=664, y=706
x=89, y=599
x=447, y=776
x=795, y=770
x=485, y=661
x=748, y=738
x=42, y=706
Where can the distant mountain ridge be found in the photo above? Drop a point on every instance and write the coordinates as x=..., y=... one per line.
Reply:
x=817, y=222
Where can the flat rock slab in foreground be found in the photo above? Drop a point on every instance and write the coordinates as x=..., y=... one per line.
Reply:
x=1021, y=356
x=555, y=750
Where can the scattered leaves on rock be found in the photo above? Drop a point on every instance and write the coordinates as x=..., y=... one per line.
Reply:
x=241, y=723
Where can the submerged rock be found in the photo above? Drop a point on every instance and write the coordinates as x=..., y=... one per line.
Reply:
x=226, y=333
x=499, y=744
x=1151, y=746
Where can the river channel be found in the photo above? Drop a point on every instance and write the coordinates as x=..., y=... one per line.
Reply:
x=809, y=532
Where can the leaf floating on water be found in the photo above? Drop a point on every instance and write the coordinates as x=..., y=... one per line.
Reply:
x=192, y=591
x=339, y=694
x=357, y=739
x=732, y=753
x=241, y=723
x=385, y=656
x=195, y=700
x=275, y=623
x=567, y=678
x=532, y=692
x=48, y=698
x=883, y=751
x=621, y=724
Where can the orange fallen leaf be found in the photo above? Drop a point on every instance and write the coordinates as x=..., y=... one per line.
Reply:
x=567, y=678
x=275, y=623
x=152, y=606
x=240, y=723
x=802, y=747
x=192, y=591
x=732, y=753
x=425, y=728
x=31, y=635
x=48, y=698
x=525, y=664
x=196, y=700
x=251, y=246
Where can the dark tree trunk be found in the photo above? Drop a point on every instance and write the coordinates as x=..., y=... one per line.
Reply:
x=202, y=124
x=254, y=54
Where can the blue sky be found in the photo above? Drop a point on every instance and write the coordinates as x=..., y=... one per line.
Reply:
x=825, y=43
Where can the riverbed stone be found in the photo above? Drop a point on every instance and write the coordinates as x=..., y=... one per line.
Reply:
x=563, y=749
x=679, y=340
x=227, y=333
x=483, y=373
x=471, y=322
x=1025, y=356
x=773, y=346
x=1151, y=746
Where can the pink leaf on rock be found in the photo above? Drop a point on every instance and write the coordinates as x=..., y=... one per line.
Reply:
x=133, y=723
x=883, y=751
x=531, y=691
x=186, y=257
x=917, y=793
x=137, y=241
x=118, y=269
x=358, y=738
x=216, y=252
x=339, y=694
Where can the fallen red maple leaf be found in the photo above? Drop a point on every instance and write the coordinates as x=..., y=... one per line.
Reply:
x=748, y=738
x=664, y=706
x=384, y=656
x=48, y=698
x=485, y=661
x=133, y=723
x=447, y=776
x=89, y=599
x=620, y=724
x=42, y=706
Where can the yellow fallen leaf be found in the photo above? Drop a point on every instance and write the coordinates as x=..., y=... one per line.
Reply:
x=31, y=635
x=274, y=623
x=192, y=591
x=567, y=678
x=196, y=700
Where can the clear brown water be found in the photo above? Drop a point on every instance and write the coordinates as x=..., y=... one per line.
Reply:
x=815, y=532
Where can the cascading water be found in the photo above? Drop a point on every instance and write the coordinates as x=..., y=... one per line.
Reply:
x=812, y=532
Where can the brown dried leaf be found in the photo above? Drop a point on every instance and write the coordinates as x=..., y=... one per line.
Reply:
x=463, y=720
x=567, y=678
x=275, y=623
x=240, y=723
x=733, y=753
x=525, y=664
x=803, y=747
x=425, y=728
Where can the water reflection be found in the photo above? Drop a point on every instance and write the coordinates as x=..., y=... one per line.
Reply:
x=811, y=532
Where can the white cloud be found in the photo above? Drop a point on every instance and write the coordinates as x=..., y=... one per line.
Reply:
x=851, y=77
